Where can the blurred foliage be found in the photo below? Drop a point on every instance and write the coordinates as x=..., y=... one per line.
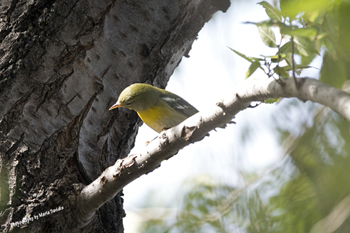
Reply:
x=319, y=181
x=306, y=28
x=310, y=191
x=321, y=158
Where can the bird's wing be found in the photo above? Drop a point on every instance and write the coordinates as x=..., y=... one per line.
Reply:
x=178, y=103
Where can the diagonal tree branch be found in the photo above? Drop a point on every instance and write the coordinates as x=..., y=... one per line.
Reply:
x=194, y=129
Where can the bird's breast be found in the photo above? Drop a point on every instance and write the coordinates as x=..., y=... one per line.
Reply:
x=161, y=117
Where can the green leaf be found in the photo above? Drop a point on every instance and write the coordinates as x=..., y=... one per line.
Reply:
x=272, y=100
x=287, y=68
x=291, y=8
x=321, y=36
x=287, y=47
x=269, y=23
x=242, y=55
x=303, y=32
x=271, y=57
x=267, y=35
x=276, y=58
x=305, y=60
x=250, y=59
x=304, y=46
x=279, y=57
x=333, y=71
x=312, y=16
x=286, y=52
x=281, y=71
x=272, y=12
x=289, y=59
x=253, y=60
x=252, y=68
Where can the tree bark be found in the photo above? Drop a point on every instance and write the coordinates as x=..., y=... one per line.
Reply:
x=63, y=63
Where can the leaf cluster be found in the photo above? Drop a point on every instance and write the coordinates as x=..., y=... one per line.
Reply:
x=305, y=29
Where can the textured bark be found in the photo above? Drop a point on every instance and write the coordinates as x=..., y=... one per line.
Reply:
x=63, y=63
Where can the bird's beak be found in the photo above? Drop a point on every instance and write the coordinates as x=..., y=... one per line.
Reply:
x=116, y=105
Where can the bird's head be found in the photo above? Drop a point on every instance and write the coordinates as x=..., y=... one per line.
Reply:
x=138, y=96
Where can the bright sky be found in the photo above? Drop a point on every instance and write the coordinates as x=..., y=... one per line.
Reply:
x=211, y=71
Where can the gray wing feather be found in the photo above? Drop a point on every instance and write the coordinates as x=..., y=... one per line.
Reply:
x=179, y=104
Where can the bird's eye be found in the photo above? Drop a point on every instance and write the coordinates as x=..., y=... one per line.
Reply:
x=128, y=103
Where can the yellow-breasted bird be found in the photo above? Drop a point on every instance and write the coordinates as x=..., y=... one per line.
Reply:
x=158, y=108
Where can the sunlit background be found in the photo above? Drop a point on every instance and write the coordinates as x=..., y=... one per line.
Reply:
x=237, y=159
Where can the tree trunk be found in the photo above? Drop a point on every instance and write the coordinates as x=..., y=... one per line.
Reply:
x=63, y=64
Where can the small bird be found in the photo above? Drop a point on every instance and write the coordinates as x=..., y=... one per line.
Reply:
x=158, y=108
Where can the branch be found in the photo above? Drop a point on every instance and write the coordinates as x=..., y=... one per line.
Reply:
x=194, y=129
